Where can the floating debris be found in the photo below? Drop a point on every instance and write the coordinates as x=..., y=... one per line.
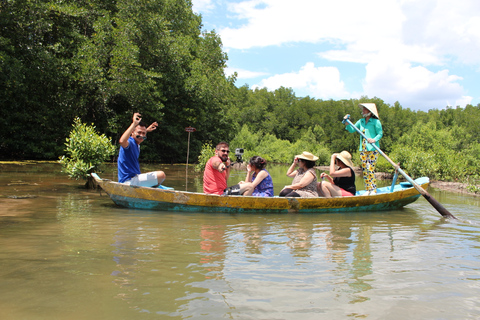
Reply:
x=21, y=183
x=27, y=196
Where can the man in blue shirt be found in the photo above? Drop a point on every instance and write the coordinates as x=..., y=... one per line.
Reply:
x=128, y=163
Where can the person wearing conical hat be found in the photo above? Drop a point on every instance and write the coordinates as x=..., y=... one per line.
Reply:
x=371, y=126
x=304, y=182
x=341, y=181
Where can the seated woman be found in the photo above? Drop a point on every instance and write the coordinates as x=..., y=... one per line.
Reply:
x=304, y=182
x=343, y=182
x=258, y=182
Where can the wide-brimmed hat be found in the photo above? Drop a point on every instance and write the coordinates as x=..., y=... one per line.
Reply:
x=371, y=107
x=346, y=158
x=307, y=156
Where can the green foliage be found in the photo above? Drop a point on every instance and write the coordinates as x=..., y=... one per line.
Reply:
x=383, y=165
x=85, y=151
x=473, y=184
x=102, y=60
x=277, y=150
x=439, y=153
x=206, y=153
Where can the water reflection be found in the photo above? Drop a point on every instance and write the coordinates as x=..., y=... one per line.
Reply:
x=212, y=250
x=67, y=249
x=145, y=266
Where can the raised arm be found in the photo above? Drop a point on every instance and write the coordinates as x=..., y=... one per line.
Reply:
x=344, y=172
x=137, y=117
x=291, y=172
x=152, y=127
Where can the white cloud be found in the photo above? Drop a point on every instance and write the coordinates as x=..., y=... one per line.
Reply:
x=450, y=28
x=399, y=41
x=274, y=22
x=321, y=82
x=244, y=74
x=428, y=27
x=414, y=86
x=202, y=5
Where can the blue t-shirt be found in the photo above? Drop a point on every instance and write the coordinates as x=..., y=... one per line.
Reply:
x=128, y=164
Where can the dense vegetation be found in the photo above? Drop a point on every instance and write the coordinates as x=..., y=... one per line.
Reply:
x=102, y=60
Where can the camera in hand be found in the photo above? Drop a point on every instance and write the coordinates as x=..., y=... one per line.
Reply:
x=239, y=154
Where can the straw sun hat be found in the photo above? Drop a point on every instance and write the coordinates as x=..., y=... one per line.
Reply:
x=307, y=156
x=371, y=107
x=346, y=158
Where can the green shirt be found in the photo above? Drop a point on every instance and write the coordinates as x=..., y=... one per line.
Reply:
x=372, y=130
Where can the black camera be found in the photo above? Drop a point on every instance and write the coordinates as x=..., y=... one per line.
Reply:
x=239, y=154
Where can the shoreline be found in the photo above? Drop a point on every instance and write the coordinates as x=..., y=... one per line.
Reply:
x=457, y=187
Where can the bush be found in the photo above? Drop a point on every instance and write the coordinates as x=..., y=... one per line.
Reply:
x=473, y=184
x=441, y=154
x=85, y=151
x=206, y=153
x=384, y=166
x=277, y=150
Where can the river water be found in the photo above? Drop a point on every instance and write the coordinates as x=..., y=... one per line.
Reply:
x=68, y=253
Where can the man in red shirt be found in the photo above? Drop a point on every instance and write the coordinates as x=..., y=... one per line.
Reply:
x=217, y=170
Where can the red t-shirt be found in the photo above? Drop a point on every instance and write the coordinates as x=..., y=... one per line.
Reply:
x=214, y=182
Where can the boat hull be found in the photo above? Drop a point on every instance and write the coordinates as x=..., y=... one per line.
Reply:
x=172, y=200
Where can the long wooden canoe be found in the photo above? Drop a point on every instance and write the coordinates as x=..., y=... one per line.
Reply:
x=173, y=200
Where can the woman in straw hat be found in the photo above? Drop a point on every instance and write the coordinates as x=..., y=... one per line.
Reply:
x=371, y=126
x=343, y=182
x=304, y=182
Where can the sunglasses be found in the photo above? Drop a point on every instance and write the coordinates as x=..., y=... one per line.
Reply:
x=141, y=137
x=225, y=151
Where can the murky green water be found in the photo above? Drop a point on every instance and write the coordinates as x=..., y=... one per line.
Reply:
x=67, y=253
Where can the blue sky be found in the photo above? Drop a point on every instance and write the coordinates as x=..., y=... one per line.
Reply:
x=424, y=54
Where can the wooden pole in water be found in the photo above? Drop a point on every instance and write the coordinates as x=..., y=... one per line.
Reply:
x=188, y=151
x=189, y=130
x=441, y=209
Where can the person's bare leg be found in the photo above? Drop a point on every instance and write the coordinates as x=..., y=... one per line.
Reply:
x=333, y=190
x=246, y=188
x=320, y=191
x=160, y=176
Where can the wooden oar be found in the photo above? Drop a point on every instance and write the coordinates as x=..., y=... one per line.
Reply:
x=441, y=209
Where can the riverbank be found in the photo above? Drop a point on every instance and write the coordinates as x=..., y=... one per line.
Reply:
x=456, y=187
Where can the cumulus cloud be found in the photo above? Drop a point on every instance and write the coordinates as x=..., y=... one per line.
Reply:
x=321, y=82
x=407, y=46
x=274, y=22
x=202, y=5
x=432, y=26
x=414, y=86
x=244, y=74
x=451, y=29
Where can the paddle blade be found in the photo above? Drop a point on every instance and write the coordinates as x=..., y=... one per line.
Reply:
x=437, y=205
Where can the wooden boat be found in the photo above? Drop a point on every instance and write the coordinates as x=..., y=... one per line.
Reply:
x=387, y=198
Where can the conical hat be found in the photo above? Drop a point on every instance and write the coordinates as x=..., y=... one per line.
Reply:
x=371, y=107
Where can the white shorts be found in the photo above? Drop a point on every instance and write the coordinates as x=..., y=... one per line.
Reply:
x=148, y=179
